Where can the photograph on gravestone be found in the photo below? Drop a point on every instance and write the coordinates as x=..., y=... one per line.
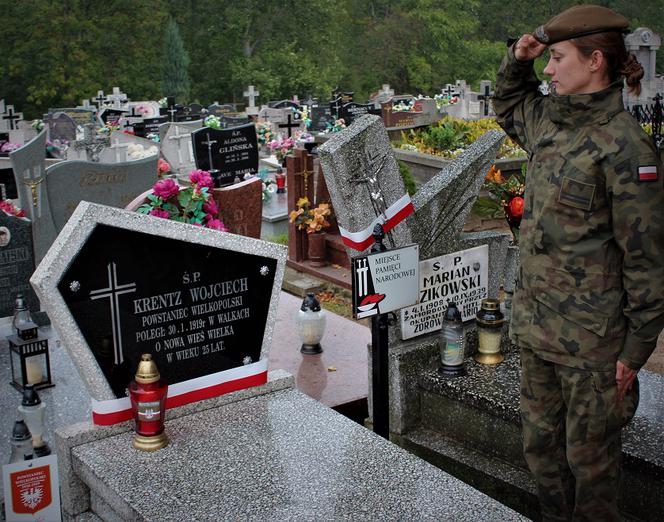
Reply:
x=227, y=153
x=207, y=311
x=207, y=306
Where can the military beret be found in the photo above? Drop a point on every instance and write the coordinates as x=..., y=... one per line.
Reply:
x=580, y=20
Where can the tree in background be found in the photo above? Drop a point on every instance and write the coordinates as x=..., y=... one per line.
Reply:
x=175, y=65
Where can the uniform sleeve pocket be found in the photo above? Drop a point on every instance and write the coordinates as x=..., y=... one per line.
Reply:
x=583, y=315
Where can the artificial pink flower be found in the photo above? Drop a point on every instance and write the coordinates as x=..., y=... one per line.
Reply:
x=157, y=212
x=201, y=178
x=165, y=188
x=216, y=224
x=197, y=224
x=210, y=207
x=163, y=167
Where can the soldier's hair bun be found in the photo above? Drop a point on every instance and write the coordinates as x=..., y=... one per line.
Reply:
x=633, y=72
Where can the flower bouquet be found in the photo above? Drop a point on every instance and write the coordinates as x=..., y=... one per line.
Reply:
x=281, y=148
x=269, y=185
x=212, y=122
x=310, y=219
x=264, y=132
x=337, y=126
x=194, y=204
x=505, y=198
x=163, y=167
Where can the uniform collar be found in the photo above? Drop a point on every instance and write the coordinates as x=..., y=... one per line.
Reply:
x=579, y=109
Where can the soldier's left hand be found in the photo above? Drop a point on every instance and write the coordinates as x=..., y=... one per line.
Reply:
x=624, y=379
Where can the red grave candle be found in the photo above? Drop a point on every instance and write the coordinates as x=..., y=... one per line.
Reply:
x=147, y=393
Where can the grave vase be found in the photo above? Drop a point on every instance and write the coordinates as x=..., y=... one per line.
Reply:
x=317, y=249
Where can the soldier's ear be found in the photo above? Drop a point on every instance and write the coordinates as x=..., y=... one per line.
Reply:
x=597, y=61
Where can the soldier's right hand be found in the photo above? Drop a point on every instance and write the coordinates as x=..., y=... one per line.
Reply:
x=528, y=48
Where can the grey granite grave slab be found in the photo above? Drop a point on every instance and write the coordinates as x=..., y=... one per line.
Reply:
x=275, y=216
x=189, y=125
x=177, y=147
x=443, y=204
x=280, y=456
x=73, y=237
x=127, y=147
x=363, y=178
x=29, y=165
x=112, y=184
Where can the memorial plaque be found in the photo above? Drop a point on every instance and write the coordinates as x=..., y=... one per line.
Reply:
x=207, y=306
x=461, y=277
x=204, y=313
x=227, y=154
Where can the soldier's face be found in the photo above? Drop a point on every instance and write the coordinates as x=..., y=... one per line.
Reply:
x=570, y=71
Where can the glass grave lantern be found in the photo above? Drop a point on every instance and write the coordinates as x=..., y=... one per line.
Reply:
x=451, y=343
x=490, y=322
x=28, y=351
x=311, y=325
x=32, y=409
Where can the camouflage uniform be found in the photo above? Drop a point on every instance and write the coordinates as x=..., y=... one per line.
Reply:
x=590, y=287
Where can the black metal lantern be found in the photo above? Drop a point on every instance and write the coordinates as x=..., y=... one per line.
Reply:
x=28, y=351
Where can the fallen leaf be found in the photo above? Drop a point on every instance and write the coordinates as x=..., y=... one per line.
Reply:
x=331, y=368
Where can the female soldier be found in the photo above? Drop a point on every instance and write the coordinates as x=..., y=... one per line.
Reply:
x=589, y=303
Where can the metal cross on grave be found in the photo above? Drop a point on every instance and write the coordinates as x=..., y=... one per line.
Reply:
x=485, y=95
x=112, y=292
x=92, y=143
x=335, y=105
x=12, y=117
x=299, y=168
x=289, y=125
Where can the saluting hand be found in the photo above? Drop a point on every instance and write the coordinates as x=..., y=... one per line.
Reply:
x=624, y=379
x=528, y=48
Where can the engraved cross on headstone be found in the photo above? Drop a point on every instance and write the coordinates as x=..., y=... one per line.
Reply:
x=209, y=144
x=100, y=99
x=450, y=90
x=112, y=292
x=120, y=149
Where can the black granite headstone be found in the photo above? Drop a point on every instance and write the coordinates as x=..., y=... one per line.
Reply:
x=228, y=122
x=17, y=263
x=204, y=313
x=111, y=116
x=283, y=104
x=7, y=184
x=320, y=117
x=351, y=111
x=227, y=154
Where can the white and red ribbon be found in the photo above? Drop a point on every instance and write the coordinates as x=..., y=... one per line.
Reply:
x=395, y=214
x=114, y=411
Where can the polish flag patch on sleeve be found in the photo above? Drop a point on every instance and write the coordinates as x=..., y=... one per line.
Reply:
x=647, y=173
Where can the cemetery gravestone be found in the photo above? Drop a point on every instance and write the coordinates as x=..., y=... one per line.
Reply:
x=61, y=127
x=17, y=263
x=128, y=147
x=209, y=309
x=218, y=110
x=10, y=119
x=29, y=165
x=177, y=147
x=113, y=184
x=80, y=116
x=227, y=154
x=363, y=178
x=110, y=116
x=251, y=94
x=149, y=126
x=352, y=111
x=320, y=117
x=240, y=207
x=228, y=122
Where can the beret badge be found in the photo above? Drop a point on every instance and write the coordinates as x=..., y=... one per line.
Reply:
x=541, y=34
